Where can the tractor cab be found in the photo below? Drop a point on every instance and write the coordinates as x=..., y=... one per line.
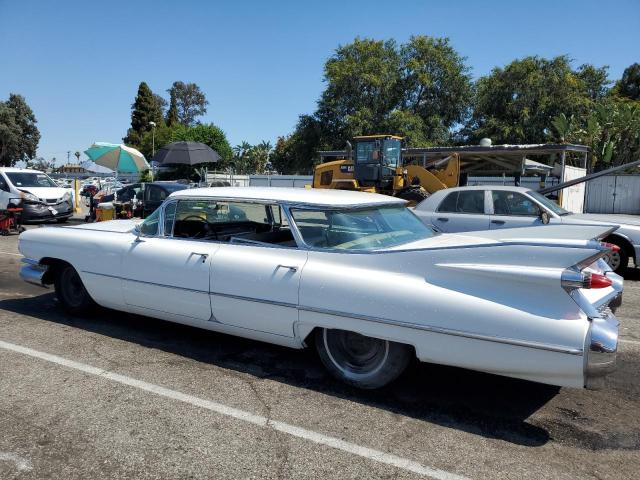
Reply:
x=376, y=159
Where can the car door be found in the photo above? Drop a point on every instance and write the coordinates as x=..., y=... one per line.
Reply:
x=513, y=210
x=255, y=286
x=462, y=211
x=164, y=274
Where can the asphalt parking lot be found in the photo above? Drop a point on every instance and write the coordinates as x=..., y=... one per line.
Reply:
x=115, y=395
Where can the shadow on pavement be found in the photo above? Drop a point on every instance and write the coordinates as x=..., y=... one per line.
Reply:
x=486, y=405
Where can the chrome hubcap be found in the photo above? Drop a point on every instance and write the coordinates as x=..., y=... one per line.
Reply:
x=613, y=259
x=355, y=354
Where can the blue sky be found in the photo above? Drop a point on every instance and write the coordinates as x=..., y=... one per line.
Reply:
x=260, y=63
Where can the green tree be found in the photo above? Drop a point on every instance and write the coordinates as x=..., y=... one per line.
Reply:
x=611, y=129
x=190, y=101
x=209, y=134
x=172, y=113
x=19, y=135
x=516, y=104
x=629, y=85
x=595, y=80
x=145, y=108
x=420, y=90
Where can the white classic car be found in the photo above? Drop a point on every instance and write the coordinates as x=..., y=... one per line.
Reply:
x=356, y=274
x=490, y=207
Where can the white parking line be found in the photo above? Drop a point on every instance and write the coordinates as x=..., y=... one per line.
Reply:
x=319, y=438
x=22, y=464
x=10, y=253
x=632, y=342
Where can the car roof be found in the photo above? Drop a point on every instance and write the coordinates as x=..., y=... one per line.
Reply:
x=14, y=169
x=305, y=196
x=510, y=188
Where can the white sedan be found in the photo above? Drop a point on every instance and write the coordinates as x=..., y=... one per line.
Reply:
x=491, y=207
x=357, y=275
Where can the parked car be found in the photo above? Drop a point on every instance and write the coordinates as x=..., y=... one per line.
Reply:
x=356, y=274
x=42, y=199
x=148, y=196
x=490, y=207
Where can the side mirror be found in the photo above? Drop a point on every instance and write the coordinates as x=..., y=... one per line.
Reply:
x=544, y=217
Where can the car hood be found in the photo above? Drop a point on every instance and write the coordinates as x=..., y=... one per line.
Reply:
x=117, y=226
x=45, y=192
x=605, y=219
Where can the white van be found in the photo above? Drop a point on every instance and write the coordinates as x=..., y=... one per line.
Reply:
x=42, y=199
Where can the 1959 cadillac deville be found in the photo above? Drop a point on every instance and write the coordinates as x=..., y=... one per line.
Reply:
x=356, y=274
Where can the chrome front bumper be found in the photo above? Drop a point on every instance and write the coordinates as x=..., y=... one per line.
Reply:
x=33, y=272
x=601, y=348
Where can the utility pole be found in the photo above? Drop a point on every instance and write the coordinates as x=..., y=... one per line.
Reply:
x=153, y=145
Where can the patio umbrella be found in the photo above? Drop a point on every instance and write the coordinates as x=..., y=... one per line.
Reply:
x=186, y=153
x=117, y=157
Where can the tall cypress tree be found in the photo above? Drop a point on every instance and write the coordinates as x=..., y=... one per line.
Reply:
x=172, y=113
x=145, y=109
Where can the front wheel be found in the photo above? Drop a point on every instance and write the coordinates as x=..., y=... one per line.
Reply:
x=71, y=292
x=361, y=361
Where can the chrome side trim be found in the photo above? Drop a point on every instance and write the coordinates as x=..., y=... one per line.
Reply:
x=448, y=331
x=398, y=323
x=254, y=299
x=147, y=283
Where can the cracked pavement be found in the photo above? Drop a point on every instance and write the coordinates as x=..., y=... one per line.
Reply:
x=62, y=423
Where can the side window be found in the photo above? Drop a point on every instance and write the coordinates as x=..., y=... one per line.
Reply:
x=366, y=152
x=465, y=201
x=234, y=222
x=150, y=226
x=513, y=203
x=125, y=195
x=3, y=184
x=471, y=201
x=155, y=193
x=449, y=203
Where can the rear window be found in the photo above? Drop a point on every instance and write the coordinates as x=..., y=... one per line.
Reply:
x=465, y=201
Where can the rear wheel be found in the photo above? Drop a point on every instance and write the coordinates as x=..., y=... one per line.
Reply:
x=618, y=261
x=71, y=292
x=361, y=361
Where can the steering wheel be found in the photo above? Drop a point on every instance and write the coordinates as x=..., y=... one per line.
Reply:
x=197, y=218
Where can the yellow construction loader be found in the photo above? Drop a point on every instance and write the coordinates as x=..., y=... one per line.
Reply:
x=374, y=163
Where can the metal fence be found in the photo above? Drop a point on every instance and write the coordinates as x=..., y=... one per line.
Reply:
x=614, y=194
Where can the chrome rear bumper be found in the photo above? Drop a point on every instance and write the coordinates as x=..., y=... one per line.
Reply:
x=33, y=272
x=600, y=350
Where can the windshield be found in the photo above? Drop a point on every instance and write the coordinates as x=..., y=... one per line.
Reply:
x=550, y=204
x=360, y=229
x=28, y=179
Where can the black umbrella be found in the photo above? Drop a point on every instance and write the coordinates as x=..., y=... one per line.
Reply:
x=186, y=153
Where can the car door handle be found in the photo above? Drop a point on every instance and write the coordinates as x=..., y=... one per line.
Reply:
x=289, y=267
x=498, y=222
x=443, y=219
x=203, y=256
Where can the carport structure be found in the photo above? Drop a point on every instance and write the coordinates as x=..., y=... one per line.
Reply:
x=504, y=159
